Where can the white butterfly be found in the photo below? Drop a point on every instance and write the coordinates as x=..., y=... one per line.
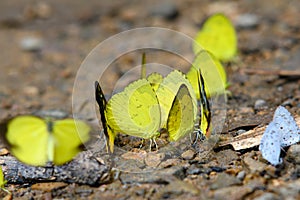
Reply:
x=281, y=132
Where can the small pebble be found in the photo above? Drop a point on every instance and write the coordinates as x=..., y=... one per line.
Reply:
x=31, y=43
x=170, y=162
x=260, y=104
x=188, y=155
x=156, y=176
x=241, y=175
x=267, y=196
x=31, y=90
x=224, y=180
x=154, y=159
x=253, y=165
x=240, y=131
x=196, y=169
x=279, y=88
x=140, y=156
x=247, y=21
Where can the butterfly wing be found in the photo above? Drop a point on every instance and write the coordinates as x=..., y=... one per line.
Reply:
x=68, y=135
x=28, y=138
x=135, y=111
x=270, y=144
x=213, y=72
x=217, y=36
x=167, y=92
x=181, y=116
x=109, y=134
x=286, y=126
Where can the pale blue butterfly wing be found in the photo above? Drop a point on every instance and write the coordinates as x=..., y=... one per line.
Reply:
x=270, y=144
x=286, y=126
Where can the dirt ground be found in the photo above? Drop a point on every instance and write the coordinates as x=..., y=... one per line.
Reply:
x=44, y=43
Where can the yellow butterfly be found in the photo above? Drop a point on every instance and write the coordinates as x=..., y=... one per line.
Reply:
x=110, y=135
x=213, y=74
x=137, y=111
x=35, y=141
x=218, y=36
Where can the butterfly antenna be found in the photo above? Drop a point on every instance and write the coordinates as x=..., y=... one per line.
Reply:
x=143, y=68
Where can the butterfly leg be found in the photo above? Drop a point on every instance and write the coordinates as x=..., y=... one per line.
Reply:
x=199, y=136
x=152, y=140
x=142, y=143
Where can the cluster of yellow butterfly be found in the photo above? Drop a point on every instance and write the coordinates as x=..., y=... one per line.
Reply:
x=142, y=109
x=154, y=103
x=150, y=104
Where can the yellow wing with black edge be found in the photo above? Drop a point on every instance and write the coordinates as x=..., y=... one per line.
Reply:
x=135, y=111
x=108, y=132
x=181, y=118
x=205, y=111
